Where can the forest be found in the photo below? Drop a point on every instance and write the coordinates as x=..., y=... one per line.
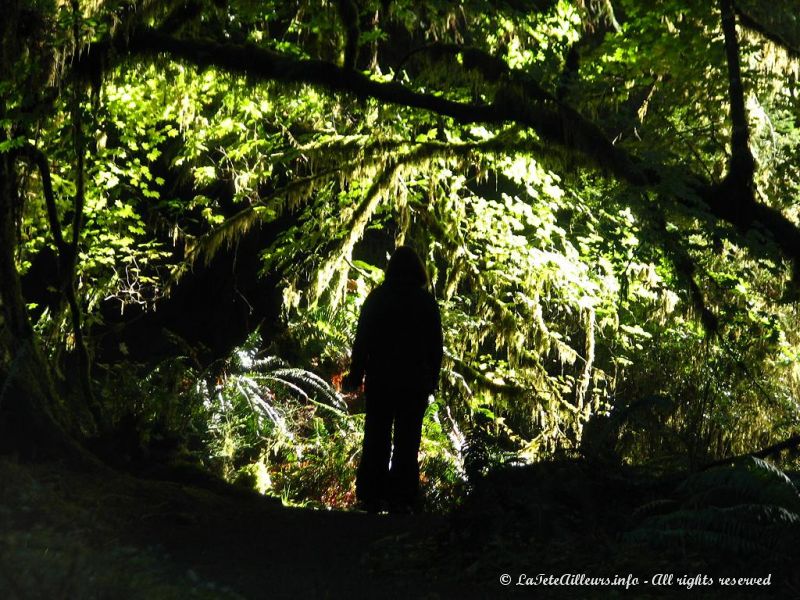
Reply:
x=197, y=197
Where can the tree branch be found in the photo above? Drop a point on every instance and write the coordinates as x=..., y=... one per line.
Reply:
x=788, y=444
x=489, y=66
x=750, y=23
x=254, y=61
x=484, y=380
x=521, y=100
x=742, y=164
x=685, y=269
x=38, y=158
x=348, y=13
x=66, y=266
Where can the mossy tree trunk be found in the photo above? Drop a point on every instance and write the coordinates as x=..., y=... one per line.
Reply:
x=28, y=402
x=32, y=419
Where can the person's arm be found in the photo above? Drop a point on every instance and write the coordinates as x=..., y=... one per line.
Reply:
x=358, y=358
x=436, y=352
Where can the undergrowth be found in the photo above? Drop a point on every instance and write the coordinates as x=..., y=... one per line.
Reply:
x=257, y=421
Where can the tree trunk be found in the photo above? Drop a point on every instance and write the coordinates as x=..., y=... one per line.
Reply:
x=32, y=421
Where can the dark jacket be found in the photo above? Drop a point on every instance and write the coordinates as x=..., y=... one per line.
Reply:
x=398, y=343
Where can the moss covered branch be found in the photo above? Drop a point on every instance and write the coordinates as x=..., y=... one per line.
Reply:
x=520, y=101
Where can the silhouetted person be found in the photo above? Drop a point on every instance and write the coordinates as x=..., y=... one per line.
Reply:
x=398, y=347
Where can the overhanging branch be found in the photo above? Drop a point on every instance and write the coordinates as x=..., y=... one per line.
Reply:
x=518, y=102
x=522, y=102
x=742, y=165
x=39, y=160
x=774, y=450
x=776, y=38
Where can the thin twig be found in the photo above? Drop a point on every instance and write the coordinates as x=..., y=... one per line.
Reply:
x=787, y=444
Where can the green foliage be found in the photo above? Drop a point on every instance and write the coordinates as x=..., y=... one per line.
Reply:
x=753, y=480
x=751, y=508
x=442, y=454
x=256, y=422
x=325, y=333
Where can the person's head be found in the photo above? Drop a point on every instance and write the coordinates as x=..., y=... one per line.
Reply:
x=406, y=267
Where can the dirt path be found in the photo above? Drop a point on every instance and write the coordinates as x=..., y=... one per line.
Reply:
x=67, y=534
x=71, y=534
x=263, y=550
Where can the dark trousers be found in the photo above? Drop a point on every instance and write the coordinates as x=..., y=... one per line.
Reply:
x=376, y=480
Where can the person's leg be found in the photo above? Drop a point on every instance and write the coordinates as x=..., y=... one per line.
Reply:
x=404, y=476
x=371, y=478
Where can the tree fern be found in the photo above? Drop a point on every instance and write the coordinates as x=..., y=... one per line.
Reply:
x=752, y=479
x=749, y=508
x=313, y=385
x=737, y=529
x=261, y=380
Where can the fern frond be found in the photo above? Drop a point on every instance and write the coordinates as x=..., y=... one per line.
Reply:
x=254, y=396
x=655, y=507
x=293, y=387
x=750, y=507
x=268, y=363
x=321, y=389
x=750, y=479
x=701, y=539
x=736, y=529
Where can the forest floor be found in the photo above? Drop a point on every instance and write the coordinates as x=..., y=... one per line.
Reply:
x=81, y=533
